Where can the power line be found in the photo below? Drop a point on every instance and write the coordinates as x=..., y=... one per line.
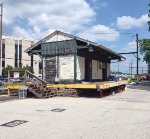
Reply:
x=113, y=33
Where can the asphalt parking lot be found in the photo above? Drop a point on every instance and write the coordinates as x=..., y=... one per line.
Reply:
x=122, y=116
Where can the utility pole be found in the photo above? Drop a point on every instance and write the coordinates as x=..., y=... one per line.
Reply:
x=149, y=18
x=142, y=70
x=137, y=44
x=131, y=70
x=149, y=30
x=118, y=68
x=1, y=17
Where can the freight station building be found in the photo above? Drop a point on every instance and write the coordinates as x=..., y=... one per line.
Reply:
x=70, y=59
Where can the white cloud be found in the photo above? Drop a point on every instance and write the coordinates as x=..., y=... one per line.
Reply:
x=130, y=47
x=112, y=46
x=100, y=33
x=36, y=19
x=128, y=22
x=124, y=65
x=99, y=4
x=44, y=15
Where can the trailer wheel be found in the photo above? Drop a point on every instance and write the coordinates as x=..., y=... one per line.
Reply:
x=112, y=91
x=101, y=93
x=79, y=92
x=122, y=88
x=116, y=90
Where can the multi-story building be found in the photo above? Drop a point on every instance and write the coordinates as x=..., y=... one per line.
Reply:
x=12, y=53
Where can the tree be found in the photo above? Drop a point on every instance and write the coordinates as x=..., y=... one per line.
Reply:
x=145, y=50
x=6, y=69
x=29, y=68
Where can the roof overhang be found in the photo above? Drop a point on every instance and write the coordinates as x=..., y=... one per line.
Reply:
x=71, y=46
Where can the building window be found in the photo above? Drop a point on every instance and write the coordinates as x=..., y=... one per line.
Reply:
x=20, y=53
x=16, y=53
x=3, y=53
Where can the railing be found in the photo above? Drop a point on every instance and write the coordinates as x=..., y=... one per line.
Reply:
x=27, y=77
x=35, y=77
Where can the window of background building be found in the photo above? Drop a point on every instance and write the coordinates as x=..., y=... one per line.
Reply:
x=16, y=53
x=3, y=53
x=20, y=53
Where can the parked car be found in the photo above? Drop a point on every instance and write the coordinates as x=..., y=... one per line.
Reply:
x=143, y=77
x=3, y=79
x=113, y=78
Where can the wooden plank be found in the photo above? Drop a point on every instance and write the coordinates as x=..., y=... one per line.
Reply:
x=102, y=85
x=15, y=86
x=84, y=86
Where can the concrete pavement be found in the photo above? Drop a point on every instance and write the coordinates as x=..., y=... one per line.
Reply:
x=122, y=116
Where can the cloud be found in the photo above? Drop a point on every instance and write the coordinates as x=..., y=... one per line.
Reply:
x=124, y=65
x=130, y=47
x=100, y=33
x=96, y=4
x=128, y=22
x=36, y=19
x=41, y=16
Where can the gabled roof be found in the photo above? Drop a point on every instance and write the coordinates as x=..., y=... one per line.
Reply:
x=72, y=37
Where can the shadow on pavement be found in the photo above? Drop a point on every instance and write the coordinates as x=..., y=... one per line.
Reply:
x=6, y=98
x=144, y=85
x=89, y=93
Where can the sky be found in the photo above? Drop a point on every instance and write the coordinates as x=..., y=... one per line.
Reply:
x=112, y=23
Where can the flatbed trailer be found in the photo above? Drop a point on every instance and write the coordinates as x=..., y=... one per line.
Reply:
x=97, y=86
x=41, y=89
x=101, y=85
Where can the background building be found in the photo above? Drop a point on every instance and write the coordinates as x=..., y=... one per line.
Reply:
x=13, y=53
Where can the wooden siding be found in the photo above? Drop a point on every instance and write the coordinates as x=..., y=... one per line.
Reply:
x=96, y=70
x=66, y=67
x=57, y=37
x=80, y=68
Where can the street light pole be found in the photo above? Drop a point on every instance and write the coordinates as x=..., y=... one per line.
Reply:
x=131, y=69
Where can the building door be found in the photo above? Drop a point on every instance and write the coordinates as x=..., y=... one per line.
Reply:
x=88, y=69
x=104, y=72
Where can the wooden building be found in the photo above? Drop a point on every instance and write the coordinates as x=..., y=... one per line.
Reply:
x=71, y=59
